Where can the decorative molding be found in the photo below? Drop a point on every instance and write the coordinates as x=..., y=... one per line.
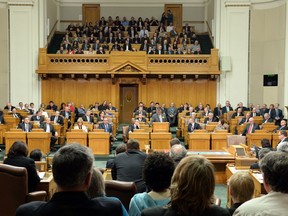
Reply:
x=21, y=3
x=237, y=4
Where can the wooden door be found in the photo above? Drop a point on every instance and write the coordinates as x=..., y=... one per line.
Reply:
x=90, y=13
x=128, y=102
x=176, y=10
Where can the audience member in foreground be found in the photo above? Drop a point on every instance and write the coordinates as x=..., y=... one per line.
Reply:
x=17, y=156
x=157, y=174
x=177, y=153
x=274, y=167
x=192, y=188
x=241, y=189
x=128, y=166
x=72, y=171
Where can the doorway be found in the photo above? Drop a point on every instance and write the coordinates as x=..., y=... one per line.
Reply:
x=90, y=13
x=128, y=102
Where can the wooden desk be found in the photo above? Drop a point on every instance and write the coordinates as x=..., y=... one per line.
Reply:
x=160, y=140
x=59, y=129
x=11, y=122
x=255, y=138
x=47, y=184
x=258, y=183
x=160, y=127
x=142, y=137
x=2, y=133
x=99, y=142
x=219, y=140
x=199, y=141
x=13, y=136
x=39, y=140
x=77, y=136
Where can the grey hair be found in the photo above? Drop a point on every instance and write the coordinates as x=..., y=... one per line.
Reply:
x=283, y=147
x=177, y=152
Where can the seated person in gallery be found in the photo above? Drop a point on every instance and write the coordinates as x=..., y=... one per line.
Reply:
x=140, y=111
x=193, y=125
x=158, y=116
x=88, y=117
x=79, y=125
x=51, y=106
x=250, y=127
x=221, y=125
x=134, y=126
x=57, y=119
x=48, y=127
x=16, y=115
x=238, y=113
x=283, y=125
x=210, y=118
x=25, y=126
x=245, y=119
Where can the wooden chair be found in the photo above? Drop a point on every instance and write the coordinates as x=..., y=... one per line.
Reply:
x=15, y=189
x=124, y=191
x=235, y=140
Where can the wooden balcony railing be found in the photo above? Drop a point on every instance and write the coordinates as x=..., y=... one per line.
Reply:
x=127, y=63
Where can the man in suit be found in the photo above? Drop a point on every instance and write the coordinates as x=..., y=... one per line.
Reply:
x=172, y=115
x=271, y=111
x=25, y=126
x=127, y=46
x=141, y=118
x=227, y=107
x=57, y=119
x=87, y=117
x=158, y=116
x=250, y=128
x=66, y=114
x=107, y=128
x=266, y=119
x=243, y=120
x=210, y=118
x=140, y=111
x=193, y=125
x=16, y=115
x=134, y=126
x=128, y=166
x=254, y=112
x=72, y=172
x=278, y=114
x=170, y=51
x=190, y=112
x=9, y=107
x=159, y=50
x=274, y=168
x=48, y=127
x=264, y=110
x=238, y=113
x=217, y=111
x=152, y=108
x=282, y=134
x=100, y=51
x=111, y=107
x=38, y=117
x=51, y=106
x=283, y=125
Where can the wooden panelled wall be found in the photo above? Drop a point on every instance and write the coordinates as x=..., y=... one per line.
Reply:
x=86, y=92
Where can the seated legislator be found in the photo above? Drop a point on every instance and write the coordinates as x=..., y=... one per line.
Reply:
x=16, y=115
x=246, y=119
x=141, y=118
x=274, y=169
x=192, y=188
x=72, y=169
x=177, y=153
x=87, y=117
x=48, y=127
x=267, y=119
x=283, y=125
x=51, y=106
x=238, y=113
x=57, y=119
x=17, y=156
x=134, y=126
x=158, y=116
x=79, y=125
x=9, y=107
x=250, y=127
x=140, y=111
x=190, y=112
x=157, y=173
x=227, y=108
x=193, y=125
x=241, y=189
x=221, y=125
x=26, y=125
x=210, y=118
x=125, y=170
x=38, y=117
x=107, y=128
x=66, y=113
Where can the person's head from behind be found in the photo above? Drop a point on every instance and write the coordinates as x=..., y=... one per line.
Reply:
x=158, y=170
x=283, y=147
x=120, y=148
x=174, y=141
x=265, y=143
x=72, y=167
x=97, y=186
x=18, y=149
x=241, y=187
x=177, y=152
x=262, y=152
x=133, y=144
x=192, y=185
x=36, y=155
x=274, y=167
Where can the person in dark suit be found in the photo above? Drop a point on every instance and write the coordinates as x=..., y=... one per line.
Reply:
x=134, y=126
x=243, y=108
x=210, y=118
x=16, y=115
x=111, y=107
x=87, y=117
x=243, y=120
x=159, y=50
x=51, y=106
x=193, y=125
x=66, y=114
x=238, y=113
x=250, y=128
x=254, y=112
x=9, y=107
x=227, y=107
x=140, y=111
x=283, y=125
x=38, y=117
x=107, y=128
x=271, y=111
x=127, y=46
x=26, y=125
x=236, y=183
x=57, y=119
x=103, y=106
x=158, y=116
x=266, y=119
x=48, y=127
x=278, y=114
x=120, y=148
x=218, y=111
x=141, y=118
x=2, y=120
x=264, y=110
x=100, y=51
x=17, y=156
x=72, y=172
x=125, y=170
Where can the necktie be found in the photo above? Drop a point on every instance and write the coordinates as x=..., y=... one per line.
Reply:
x=160, y=118
x=250, y=129
x=276, y=110
x=15, y=116
x=106, y=128
x=26, y=127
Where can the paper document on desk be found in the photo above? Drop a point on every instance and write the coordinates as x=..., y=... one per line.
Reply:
x=259, y=176
x=41, y=175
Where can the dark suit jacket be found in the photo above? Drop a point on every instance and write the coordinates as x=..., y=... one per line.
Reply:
x=72, y=203
x=216, y=113
x=224, y=109
x=243, y=120
x=6, y=107
x=270, y=120
x=206, y=120
x=54, y=107
x=109, y=127
x=22, y=126
x=245, y=131
x=144, y=113
x=159, y=51
x=196, y=127
x=2, y=120
x=272, y=113
x=60, y=120
x=235, y=114
x=52, y=130
x=34, y=118
x=282, y=128
x=29, y=164
x=132, y=128
x=155, y=118
x=262, y=112
x=235, y=206
x=128, y=166
x=62, y=113
x=86, y=119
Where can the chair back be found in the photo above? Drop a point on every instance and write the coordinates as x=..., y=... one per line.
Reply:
x=14, y=189
x=235, y=140
x=124, y=191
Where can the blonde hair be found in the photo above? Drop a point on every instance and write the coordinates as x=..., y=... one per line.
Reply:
x=242, y=186
x=80, y=120
x=192, y=185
